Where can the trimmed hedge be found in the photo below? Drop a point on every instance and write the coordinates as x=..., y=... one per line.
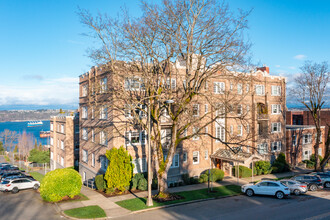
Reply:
x=100, y=182
x=243, y=171
x=139, y=182
x=60, y=183
x=262, y=167
x=216, y=175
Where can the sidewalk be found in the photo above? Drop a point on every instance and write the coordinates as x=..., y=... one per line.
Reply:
x=113, y=210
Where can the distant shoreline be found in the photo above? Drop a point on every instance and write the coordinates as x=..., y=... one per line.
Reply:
x=26, y=120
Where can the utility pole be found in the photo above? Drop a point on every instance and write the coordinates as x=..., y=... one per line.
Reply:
x=149, y=200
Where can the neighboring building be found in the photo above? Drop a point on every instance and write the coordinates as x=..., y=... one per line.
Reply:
x=263, y=102
x=64, y=141
x=300, y=141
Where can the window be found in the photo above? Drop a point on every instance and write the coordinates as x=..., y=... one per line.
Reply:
x=262, y=148
x=128, y=111
x=104, y=162
x=84, y=176
x=166, y=136
x=219, y=133
x=51, y=141
x=62, y=161
x=62, y=128
x=219, y=88
x=320, y=151
x=206, y=108
x=206, y=130
x=51, y=155
x=276, y=127
x=135, y=137
x=104, y=112
x=140, y=165
x=84, y=112
x=103, y=138
x=51, y=126
x=185, y=158
x=239, y=130
x=260, y=89
x=320, y=138
x=206, y=154
x=276, y=90
x=276, y=109
x=239, y=109
x=247, y=87
x=248, y=129
x=239, y=89
x=175, y=162
x=85, y=134
x=93, y=135
x=294, y=140
x=93, y=160
x=307, y=154
x=196, y=157
x=307, y=139
x=103, y=85
x=133, y=84
x=231, y=86
x=62, y=145
x=276, y=146
x=84, y=90
x=85, y=156
x=195, y=130
x=247, y=149
x=247, y=108
x=93, y=114
x=195, y=110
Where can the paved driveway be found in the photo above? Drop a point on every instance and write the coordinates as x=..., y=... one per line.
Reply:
x=312, y=206
x=26, y=205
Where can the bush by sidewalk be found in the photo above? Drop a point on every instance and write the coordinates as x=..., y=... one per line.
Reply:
x=243, y=172
x=280, y=165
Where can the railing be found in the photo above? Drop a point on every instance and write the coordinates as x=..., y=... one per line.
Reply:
x=263, y=116
x=90, y=183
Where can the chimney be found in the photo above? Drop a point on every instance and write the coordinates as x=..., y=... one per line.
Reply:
x=264, y=68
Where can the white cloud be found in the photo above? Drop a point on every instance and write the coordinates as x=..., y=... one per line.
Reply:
x=277, y=66
x=292, y=67
x=47, y=92
x=300, y=57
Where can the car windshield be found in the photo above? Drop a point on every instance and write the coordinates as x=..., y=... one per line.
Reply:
x=4, y=182
x=283, y=184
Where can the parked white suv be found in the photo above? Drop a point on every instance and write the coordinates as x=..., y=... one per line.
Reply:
x=14, y=185
x=272, y=188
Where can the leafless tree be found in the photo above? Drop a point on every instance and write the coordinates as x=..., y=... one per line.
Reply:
x=312, y=90
x=25, y=144
x=9, y=138
x=174, y=51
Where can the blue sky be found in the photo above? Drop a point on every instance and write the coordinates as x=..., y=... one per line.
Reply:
x=42, y=50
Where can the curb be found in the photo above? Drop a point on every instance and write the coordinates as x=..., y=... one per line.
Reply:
x=69, y=217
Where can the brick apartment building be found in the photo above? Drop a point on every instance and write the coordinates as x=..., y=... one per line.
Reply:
x=263, y=103
x=64, y=141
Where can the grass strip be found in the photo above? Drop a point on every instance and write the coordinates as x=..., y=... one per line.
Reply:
x=93, y=211
x=37, y=176
x=140, y=203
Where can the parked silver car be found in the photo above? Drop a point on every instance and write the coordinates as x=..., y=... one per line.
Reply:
x=295, y=187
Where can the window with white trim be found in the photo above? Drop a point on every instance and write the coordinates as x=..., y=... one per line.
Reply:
x=135, y=137
x=320, y=138
x=62, y=128
x=175, y=162
x=276, y=146
x=239, y=130
x=239, y=109
x=85, y=134
x=206, y=154
x=62, y=145
x=103, y=112
x=51, y=155
x=166, y=136
x=260, y=89
x=320, y=151
x=185, y=157
x=51, y=126
x=307, y=139
x=103, y=85
x=140, y=165
x=93, y=135
x=133, y=84
x=84, y=156
x=103, y=138
x=247, y=87
x=93, y=160
x=62, y=161
x=276, y=90
x=219, y=133
x=51, y=141
x=196, y=157
x=276, y=127
x=206, y=130
x=276, y=109
x=93, y=114
x=195, y=130
x=231, y=86
x=219, y=87
x=262, y=148
x=84, y=112
x=195, y=110
x=206, y=108
x=185, y=132
x=84, y=90
x=239, y=89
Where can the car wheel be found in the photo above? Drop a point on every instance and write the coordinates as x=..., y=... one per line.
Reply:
x=313, y=187
x=14, y=190
x=279, y=195
x=249, y=192
x=296, y=192
x=36, y=186
x=327, y=185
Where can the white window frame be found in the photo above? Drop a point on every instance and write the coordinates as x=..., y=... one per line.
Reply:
x=84, y=157
x=276, y=109
x=51, y=141
x=133, y=84
x=195, y=137
x=84, y=90
x=62, y=128
x=51, y=126
x=219, y=87
x=262, y=148
x=93, y=135
x=276, y=127
x=84, y=112
x=239, y=130
x=260, y=89
x=103, y=84
x=195, y=154
x=239, y=89
x=206, y=108
x=62, y=144
x=220, y=133
x=166, y=136
x=142, y=137
x=206, y=154
x=62, y=161
x=277, y=145
x=140, y=163
x=239, y=109
x=93, y=113
x=195, y=111
x=307, y=138
x=175, y=161
x=84, y=134
x=51, y=155
x=93, y=159
x=103, y=112
x=103, y=138
x=276, y=91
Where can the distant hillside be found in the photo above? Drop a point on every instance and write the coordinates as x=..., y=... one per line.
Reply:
x=27, y=115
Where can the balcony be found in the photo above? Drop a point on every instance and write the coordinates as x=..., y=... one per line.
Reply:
x=262, y=112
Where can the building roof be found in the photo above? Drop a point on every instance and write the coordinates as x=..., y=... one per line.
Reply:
x=230, y=155
x=294, y=127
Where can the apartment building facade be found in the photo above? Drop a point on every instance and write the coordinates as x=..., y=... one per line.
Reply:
x=262, y=134
x=64, y=141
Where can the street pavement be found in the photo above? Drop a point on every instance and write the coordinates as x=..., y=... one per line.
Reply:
x=315, y=205
x=26, y=205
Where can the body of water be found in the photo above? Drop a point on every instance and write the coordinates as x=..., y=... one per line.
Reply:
x=19, y=127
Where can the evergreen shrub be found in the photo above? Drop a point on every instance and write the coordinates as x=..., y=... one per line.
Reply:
x=100, y=182
x=243, y=171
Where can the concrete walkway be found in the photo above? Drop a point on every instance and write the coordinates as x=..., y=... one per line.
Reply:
x=113, y=210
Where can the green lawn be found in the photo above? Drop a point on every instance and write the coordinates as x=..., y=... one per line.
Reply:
x=37, y=176
x=93, y=211
x=140, y=203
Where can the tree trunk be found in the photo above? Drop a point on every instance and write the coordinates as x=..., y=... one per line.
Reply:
x=162, y=181
x=327, y=152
